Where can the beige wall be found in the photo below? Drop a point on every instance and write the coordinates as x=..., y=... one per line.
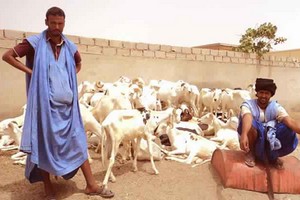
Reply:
x=107, y=60
x=287, y=53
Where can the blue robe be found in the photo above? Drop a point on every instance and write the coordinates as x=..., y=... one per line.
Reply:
x=287, y=137
x=53, y=132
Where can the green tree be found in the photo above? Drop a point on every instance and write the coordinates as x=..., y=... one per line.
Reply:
x=260, y=40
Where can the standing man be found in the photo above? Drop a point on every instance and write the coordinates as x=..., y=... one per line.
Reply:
x=53, y=133
x=263, y=121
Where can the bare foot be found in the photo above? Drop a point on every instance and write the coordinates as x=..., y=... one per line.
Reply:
x=278, y=164
x=49, y=191
x=249, y=159
x=101, y=191
x=48, y=187
x=91, y=189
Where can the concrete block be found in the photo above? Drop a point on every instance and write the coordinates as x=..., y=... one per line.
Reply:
x=5, y=43
x=222, y=53
x=171, y=55
x=82, y=48
x=12, y=34
x=242, y=60
x=28, y=34
x=214, y=52
x=1, y=33
x=249, y=61
x=253, y=55
x=196, y=51
x=230, y=53
x=206, y=51
x=209, y=58
x=289, y=64
x=142, y=46
x=154, y=47
x=94, y=49
x=115, y=43
x=160, y=54
x=191, y=57
x=136, y=53
x=129, y=45
x=266, y=57
x=165, y=48
x=176, y=49
x=87, y=41
x=186, y=50
x=218, y=58
x=101, y=42
x=265, y=62
x=238, y=54
x=19, y=41
x=226, y=59
x=200, y=57
x=109, y=51
x=123, y=52
x=234, y=60
x=255, y=61
x=73, y=38
x=149, y=54
x=180, y=56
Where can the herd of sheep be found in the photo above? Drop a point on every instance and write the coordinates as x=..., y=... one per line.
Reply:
x=158, y=120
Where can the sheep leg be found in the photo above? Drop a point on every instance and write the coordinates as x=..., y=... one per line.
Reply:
x=188, y=160
x=136, y=146
x=202, y=162
x=18, y=156
x=109, y=173
x=151, y=155
x=177, y=151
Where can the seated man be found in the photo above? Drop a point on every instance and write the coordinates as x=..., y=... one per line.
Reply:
x=266, y=130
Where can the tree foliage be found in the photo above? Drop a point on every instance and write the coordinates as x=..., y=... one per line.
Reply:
x=260, y=40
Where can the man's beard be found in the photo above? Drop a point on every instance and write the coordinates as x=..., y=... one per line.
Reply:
x=55, y=33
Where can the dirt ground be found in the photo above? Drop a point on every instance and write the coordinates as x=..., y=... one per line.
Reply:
x=175, y=181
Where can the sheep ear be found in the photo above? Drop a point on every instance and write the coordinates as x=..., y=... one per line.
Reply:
x=11, y=125
x=164, y=126
x=170, y=125
x=173, y=116
x=174, y=111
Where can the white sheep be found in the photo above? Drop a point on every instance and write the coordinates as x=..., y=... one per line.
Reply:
x=225, y=133
x=189, y=144
x=128, y=125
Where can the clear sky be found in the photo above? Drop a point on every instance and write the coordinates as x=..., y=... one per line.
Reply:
x=172, y=22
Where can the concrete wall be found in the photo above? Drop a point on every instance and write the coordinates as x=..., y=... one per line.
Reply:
x=107, y=60
x=287, y=53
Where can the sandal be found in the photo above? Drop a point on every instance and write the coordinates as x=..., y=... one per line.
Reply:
x=50, y=198
x=278, y=164
x=249, y=159
x=102, y=192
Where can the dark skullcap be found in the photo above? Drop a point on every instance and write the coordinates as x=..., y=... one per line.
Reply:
x=265, y=84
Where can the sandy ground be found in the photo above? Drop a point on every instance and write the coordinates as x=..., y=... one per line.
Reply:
x=176, y=181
